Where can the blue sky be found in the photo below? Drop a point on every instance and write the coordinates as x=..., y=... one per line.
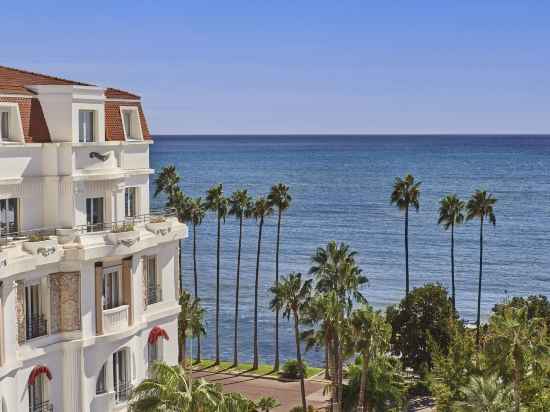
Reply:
x=301, y=66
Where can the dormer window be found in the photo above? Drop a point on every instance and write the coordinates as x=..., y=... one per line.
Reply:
x=86, y=119
x=131, y=123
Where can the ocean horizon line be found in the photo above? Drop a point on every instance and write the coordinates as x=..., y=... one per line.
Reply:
x=484, y=135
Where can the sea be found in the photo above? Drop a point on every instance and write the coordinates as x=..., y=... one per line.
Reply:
x=340, y=187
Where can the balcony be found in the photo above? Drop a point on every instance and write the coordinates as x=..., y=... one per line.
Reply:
x=45, y=406
x=123, y=392
x=154, y=295
x=36, y=326
x=115, y=319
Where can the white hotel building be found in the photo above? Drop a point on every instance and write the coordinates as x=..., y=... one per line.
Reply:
x=88, y=274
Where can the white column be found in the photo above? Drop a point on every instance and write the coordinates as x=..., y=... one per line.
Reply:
x=72, y=379
x=9, y=297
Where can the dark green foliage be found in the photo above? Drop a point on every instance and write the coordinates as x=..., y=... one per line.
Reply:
x=293, y=370
x=422, y=318
x=537, y=307
x=386, y=387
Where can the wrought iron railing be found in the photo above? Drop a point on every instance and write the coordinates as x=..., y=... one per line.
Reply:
x=45, y=406
x=154, y=295
x=8, y=236
x=37, y=325
x=123, y=391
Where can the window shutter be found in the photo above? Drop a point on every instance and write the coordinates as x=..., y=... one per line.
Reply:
x=127, y=290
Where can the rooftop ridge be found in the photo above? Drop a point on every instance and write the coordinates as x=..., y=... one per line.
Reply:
x=46, y=76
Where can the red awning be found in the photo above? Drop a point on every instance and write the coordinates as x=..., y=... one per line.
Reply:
x=37, y=371
x=155, y=333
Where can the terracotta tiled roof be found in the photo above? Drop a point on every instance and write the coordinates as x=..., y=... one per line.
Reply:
x=10, y=77
x=111, y=93
x=35, y=129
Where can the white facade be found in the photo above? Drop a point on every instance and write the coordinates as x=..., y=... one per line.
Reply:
x=88, y=292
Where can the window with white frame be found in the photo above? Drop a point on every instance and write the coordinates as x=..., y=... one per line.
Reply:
x=112, y=288
x=86, y=126
x=35, y=320
x=131, y=123
x=94, y=214
x=9, y=216
x=121, y=375
x=154, y=291
x=130, y=202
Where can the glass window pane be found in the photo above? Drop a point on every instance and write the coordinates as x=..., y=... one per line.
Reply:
x=86, y=125
x=4, y=125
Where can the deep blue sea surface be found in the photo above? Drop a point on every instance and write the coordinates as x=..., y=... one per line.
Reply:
x=341, y=187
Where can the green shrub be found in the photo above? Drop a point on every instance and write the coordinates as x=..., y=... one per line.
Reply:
x=36, y=237
x=293, y=370
x=300, y=409
x=124, y=227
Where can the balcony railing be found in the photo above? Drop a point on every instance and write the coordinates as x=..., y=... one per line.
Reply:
x=45, y=406
x=154, y=295
x=37, y=326
x=123, y=391
x=8, y=235
x=115, y=319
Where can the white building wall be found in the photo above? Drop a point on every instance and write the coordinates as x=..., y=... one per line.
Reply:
x=53, y=181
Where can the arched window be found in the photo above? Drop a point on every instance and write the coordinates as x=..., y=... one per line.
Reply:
x=38, y=390
x=154, y=344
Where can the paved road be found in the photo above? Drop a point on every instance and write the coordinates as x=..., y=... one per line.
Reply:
x=287, y=393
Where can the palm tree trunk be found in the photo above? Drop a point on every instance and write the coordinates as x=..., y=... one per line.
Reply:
x=299, y=358
x=362, y=404
x=407, y=251
x=196, y=277
x=478, y=322
x=183, y=350
x=235, y=332
x=453, y=265
x=256, y=356
x=516, y=389
x=334, y=376
x=327, y=361
x=218, y=292
x=276, y=363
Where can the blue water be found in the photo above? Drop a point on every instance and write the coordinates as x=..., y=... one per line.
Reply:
x=341, y=187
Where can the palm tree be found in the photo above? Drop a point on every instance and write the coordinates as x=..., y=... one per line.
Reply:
x=451, y=213
x=261, y=209
x=167, y=182
x=293, y=295
x=514, y=342
x=406, y=193
x=280, y=198
x=240, y=206
x=169, y=389
x=216, y=202
x=265, y=404
x=485, y=394
x=370, y=335
x=480, y=206
x=194, y=213
x=338, y=283
x=190, y=321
